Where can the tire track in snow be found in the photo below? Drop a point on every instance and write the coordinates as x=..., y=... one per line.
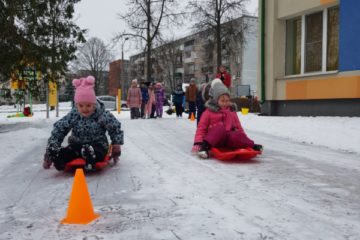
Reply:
x=281, y=163
x=167, y=147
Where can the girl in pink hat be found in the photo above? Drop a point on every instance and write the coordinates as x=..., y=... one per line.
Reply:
x=88, y=122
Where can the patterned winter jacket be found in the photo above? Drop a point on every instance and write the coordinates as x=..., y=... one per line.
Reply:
x=87, y=130
x=214, y=116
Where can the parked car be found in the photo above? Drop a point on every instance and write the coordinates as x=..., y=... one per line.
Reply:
x=109, y=102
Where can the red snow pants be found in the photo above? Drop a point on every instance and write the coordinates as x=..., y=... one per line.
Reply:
x=218, y=137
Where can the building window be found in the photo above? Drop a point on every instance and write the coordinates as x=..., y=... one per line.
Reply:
x=189, y=43
x=179, y=58
x=190, y=69
x=333, y=39
x=187, y=54
x=312, y=42
x=293, y=46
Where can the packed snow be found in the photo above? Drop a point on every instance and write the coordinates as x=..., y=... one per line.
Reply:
x=305, y=185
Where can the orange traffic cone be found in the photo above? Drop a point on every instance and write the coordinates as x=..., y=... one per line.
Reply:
x=192, y=118
x=80, y=210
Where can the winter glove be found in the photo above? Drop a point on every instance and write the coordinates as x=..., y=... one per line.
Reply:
x=47, y=162
x=51, y=154
x=115, y=153
x=196, y=148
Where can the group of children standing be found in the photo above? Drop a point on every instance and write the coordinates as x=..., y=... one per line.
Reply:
x=145, y=101
x=196, y=96
x=88, y=121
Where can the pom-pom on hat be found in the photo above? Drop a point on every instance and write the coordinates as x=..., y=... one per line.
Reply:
x=84, y=90
x=158, y=85
x=217, y=89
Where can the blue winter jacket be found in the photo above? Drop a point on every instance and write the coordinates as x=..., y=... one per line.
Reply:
x=144, y=95
x=178, y=96
x=87, y=130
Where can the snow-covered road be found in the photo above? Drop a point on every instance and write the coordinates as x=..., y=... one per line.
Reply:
x=160, y=191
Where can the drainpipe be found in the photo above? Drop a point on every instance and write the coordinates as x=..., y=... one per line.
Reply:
x=262, y=51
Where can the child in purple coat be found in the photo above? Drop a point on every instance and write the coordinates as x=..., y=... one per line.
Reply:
x=159, y=98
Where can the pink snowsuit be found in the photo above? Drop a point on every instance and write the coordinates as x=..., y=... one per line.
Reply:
x=134, y=97
x=151, y=102
x=222, y=128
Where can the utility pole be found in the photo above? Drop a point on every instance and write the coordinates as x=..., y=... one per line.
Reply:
x=122, y=80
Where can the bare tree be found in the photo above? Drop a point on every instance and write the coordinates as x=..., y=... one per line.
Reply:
x=94, y=56
x=211, y=14
x=145, y=19
x=167, y=60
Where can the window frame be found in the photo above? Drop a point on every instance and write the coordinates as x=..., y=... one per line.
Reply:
x=302, y=45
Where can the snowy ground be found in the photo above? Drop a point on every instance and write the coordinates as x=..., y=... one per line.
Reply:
x=306, y=185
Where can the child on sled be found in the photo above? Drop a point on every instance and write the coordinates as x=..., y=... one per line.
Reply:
x=219, y=125
x=89, y=121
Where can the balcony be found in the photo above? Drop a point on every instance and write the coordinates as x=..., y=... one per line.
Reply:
x=179, y=70
x=189, y=60
x=189, y=57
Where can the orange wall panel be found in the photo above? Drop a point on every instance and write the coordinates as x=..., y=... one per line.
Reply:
x=340, y=87
x=296, y=90
x=327, y=1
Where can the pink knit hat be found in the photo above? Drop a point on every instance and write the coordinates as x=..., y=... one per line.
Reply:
x=84, y=92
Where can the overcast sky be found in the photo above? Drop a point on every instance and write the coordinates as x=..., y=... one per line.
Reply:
x=101, y=20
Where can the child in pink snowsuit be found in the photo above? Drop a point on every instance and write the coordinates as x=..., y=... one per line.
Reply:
x=151, y=101
x=219, y=125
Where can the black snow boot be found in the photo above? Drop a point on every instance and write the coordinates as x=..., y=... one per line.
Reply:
x=88, y=153
x=204, y=150
x=258, y=147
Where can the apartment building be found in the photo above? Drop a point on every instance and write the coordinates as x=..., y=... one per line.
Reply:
x=194, y=56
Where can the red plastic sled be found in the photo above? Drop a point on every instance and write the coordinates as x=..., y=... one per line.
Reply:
x=225, y=154
x=81, y=163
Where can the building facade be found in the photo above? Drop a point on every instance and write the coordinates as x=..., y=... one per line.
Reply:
x=309, y=57
x=118, y=77
x=194, y=56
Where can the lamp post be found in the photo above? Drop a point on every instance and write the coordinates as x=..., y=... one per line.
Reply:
x=122, y=67
x=122, y=48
